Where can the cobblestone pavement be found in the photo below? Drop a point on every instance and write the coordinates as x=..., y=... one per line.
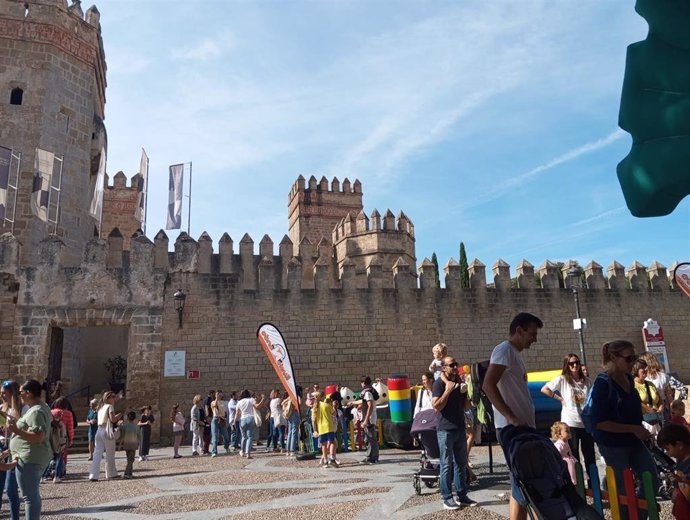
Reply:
x=267, y=486
x=270, y=486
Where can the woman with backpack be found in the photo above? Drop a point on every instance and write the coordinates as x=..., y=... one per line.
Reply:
x=62, y=406
x=573, y=387
x=613, y=414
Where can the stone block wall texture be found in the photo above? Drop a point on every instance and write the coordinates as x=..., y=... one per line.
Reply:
x=314, y=208
x=334, y=333
x=119, y=207
x=56, y=57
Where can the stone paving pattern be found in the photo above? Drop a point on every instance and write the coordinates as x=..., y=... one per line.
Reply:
x=270, y=486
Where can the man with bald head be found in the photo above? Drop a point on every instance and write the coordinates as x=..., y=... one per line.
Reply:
x=449, y=399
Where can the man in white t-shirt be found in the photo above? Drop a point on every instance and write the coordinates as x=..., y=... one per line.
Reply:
x=505, y=384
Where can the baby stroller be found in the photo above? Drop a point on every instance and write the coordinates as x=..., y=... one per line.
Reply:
x=542, y=476
x=424, y=426
x=664, y=469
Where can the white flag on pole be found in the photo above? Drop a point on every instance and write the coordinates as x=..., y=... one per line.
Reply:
x=96, y=209
x=5, y=160
x=40, y=191
x=140, y=212
x=174, y=220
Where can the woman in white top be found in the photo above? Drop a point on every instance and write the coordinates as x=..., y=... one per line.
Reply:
x=178, y=429
x=245, y=416
x=106, y=412
x=573, y=387
x=11, y=407
x=279, y=421
x=424, y=394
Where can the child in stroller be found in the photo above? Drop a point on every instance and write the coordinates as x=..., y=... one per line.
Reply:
x=543, y=478
x=424, y=426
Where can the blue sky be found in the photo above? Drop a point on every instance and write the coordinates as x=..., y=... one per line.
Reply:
x=488, y=122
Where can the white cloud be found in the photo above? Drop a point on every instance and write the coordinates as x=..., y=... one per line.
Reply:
x=204, y=50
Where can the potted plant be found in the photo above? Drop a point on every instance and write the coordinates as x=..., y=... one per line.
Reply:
x=116, y=367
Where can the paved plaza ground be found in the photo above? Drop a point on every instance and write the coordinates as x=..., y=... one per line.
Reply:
x=270, y=486
x=267, y=486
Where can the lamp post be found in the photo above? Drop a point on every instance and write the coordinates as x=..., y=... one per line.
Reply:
x=179, y=298
x=574, y=273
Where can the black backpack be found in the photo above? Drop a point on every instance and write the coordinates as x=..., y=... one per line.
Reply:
x=373, y=391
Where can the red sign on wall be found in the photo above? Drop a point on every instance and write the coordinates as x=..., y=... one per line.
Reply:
x=193, y=374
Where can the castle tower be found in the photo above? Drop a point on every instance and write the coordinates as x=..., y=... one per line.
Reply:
x=314, y=209
x=52, y=96
x=119, y=208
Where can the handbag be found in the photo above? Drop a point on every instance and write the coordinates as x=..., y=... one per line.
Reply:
x=257, y=418
x=650, y=418
x=111, y=432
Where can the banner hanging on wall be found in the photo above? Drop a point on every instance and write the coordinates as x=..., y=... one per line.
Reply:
x=276, y=349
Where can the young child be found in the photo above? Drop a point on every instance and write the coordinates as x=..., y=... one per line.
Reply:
x=92, y=421
x=145, y=422
x=678, y=413
x=560, y=433
x=439, y=350
x=675, y=441
x=58, y=442
x=130, y=441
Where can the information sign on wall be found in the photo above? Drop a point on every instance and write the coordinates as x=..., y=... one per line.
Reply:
x=174, y=365
x=653, y=337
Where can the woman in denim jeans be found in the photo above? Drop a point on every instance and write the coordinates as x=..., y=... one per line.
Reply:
x=30, y=446
x=11, y=406
x=293, y=421
x=245, y=416
x=616, y=413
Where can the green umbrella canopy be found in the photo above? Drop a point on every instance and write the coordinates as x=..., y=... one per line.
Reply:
x=655, y=110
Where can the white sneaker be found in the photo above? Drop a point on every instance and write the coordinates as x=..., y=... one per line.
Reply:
x=141, y=459
x=57, y=480
x=213, y=455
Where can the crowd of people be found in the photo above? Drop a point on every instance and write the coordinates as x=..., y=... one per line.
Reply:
x=625, y=407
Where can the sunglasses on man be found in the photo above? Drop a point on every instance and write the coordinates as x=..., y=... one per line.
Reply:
x=451, y=365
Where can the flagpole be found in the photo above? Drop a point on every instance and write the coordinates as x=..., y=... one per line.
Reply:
x=146, y=193
x=189, y=206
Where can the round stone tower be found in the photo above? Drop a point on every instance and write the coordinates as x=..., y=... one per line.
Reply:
x=52, y=97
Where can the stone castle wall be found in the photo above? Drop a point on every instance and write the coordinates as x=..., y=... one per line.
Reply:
x=119, y=208
x=335, y=330
x=55, y=55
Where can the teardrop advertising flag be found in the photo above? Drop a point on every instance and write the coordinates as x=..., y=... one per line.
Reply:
x=681, y=277
x=276, y=349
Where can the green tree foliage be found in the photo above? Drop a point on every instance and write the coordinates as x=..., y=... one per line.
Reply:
x=434, y=261
x=464, y=268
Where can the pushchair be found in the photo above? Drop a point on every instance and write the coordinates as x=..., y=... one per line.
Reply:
x=543, y=477
x=424, y=426
x=664, y=469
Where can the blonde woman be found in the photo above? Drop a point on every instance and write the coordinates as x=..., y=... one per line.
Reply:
x=106, y=413
x=196, y=425
x=660, y=380
x=11, y=407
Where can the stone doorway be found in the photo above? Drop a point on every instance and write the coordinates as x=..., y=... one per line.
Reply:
x=85, y=353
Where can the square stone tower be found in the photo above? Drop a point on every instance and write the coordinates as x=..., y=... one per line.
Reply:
x=52, y=96
x=315, y=209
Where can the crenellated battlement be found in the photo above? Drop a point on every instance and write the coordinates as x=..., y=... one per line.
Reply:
x=315, y=267
x=119, y=208
x=315, y=207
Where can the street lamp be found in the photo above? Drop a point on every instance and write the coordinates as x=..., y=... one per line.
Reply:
x=579, y=323
x=179, y=298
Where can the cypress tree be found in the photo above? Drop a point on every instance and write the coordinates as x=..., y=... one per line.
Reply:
x=434, y=261
x=464, y=268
